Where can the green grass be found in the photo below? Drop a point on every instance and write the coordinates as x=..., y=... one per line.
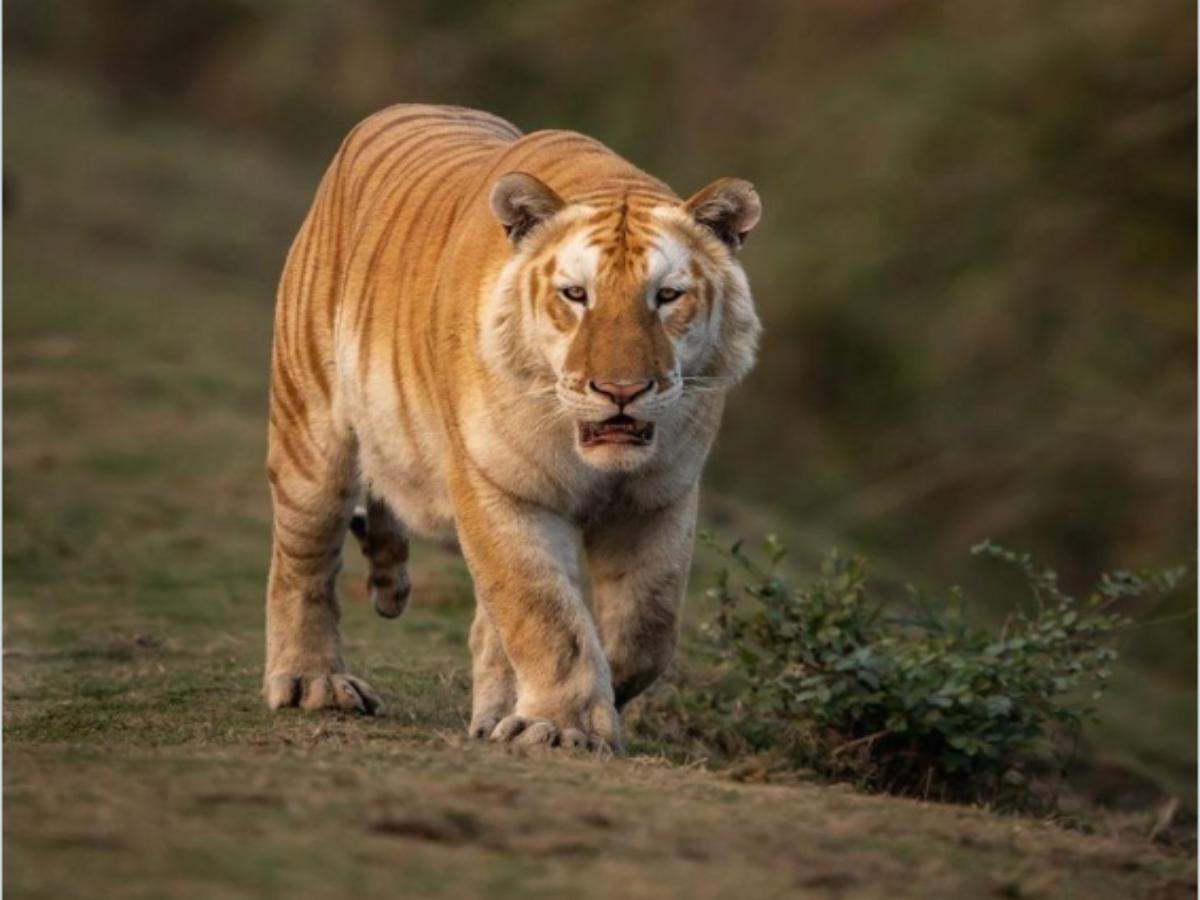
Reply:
x=139, y=761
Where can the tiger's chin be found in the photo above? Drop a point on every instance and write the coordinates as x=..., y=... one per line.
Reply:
x=620, y=443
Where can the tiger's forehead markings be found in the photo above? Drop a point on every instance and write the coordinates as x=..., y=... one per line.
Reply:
x=622, y=231
x=613, y=240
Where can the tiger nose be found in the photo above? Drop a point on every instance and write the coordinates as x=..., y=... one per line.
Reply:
x=621, y=393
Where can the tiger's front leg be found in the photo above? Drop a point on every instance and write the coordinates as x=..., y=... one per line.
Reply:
x=639, y=568
x=527, y=564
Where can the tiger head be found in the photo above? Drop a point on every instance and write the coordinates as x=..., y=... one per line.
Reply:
x=632, y=309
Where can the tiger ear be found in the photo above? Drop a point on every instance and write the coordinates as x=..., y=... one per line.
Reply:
x=521, y=201
x=729, y=207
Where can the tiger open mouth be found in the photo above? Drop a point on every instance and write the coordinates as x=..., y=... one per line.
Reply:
x=620, y=429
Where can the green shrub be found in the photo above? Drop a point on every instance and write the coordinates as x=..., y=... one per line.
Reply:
x=906, y=697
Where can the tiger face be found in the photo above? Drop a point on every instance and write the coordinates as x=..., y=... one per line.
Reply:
x=630, y=305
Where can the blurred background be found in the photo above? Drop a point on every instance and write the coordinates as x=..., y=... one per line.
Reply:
x=976, y=267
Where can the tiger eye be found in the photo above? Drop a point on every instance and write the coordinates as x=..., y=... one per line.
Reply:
x=575, y=294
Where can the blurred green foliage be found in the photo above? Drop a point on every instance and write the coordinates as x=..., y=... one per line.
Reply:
x=976, y=266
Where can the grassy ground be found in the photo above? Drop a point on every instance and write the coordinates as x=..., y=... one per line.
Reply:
x=138, y=758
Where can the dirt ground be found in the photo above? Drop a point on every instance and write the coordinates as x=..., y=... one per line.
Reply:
x=138, y=758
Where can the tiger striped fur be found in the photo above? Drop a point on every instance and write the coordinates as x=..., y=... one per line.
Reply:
x=524, y=342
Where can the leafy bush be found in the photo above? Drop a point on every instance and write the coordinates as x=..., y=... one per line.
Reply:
x=903, y=697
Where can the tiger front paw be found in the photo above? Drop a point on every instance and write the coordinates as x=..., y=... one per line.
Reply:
x=594, y=725
x=333, y=690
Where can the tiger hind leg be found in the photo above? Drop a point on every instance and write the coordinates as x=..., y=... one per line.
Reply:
x=384, y=543
x=310, y=488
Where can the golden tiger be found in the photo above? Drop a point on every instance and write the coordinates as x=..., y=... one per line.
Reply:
x=522, y=341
